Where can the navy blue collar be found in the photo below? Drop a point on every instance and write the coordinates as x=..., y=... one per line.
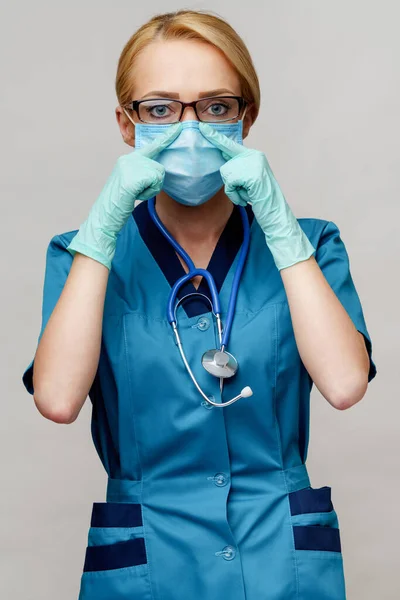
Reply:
x=221, y=260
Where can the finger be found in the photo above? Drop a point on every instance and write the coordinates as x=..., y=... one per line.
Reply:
x=151, y=182
x=222, y=142
x=154, y=148
x=149, y=192
x=235, y=197
x=236, y=194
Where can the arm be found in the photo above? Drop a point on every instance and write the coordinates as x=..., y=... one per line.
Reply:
x=331, y=348
x=62, y=378
x=68, y=352
x=325, y=308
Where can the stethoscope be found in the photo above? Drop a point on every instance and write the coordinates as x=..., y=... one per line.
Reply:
x=218, y=362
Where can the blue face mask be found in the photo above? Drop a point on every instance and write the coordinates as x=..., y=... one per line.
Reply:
x=191, y=162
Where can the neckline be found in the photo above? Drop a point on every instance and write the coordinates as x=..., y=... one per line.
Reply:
x=164, y=255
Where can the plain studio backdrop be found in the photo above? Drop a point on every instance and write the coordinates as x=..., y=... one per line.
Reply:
x=329, y=125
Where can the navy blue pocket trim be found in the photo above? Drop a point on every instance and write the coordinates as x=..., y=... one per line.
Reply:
x=115, y=556
x=310, y=500
x=316, y=537
x=116, y=514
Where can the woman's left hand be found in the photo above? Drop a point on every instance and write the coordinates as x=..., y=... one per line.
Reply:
x=248, y=178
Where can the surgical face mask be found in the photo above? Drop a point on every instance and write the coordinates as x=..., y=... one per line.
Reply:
x=191, y=162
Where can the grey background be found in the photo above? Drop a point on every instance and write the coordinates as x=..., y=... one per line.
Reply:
x=329, y=124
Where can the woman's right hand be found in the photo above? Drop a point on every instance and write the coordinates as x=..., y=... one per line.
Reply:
x=136, y=176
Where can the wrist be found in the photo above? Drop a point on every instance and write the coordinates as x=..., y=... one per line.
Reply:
x=97, y=245
x=291, y=249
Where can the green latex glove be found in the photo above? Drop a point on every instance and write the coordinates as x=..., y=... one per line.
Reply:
x=248, y=178
x=136, y=176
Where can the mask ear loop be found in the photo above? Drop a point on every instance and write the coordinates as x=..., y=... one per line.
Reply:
x=134, y=127
x=129, y=117
x=242, y=120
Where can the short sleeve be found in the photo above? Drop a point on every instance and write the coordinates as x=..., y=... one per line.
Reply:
x=58, y=265
x=332, y=258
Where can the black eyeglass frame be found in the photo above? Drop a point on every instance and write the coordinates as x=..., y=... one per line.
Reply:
x=134, y=105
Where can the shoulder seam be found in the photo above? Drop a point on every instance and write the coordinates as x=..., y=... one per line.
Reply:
x=61, y=236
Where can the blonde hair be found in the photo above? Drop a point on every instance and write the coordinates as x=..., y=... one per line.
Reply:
x=196, y=25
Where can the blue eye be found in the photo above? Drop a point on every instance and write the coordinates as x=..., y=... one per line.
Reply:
x=219, y=109
x=158, y=110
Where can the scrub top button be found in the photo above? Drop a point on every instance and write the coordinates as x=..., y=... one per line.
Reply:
x=203, y=323
x=207, y=404
x=228, y=553
x=220, y=479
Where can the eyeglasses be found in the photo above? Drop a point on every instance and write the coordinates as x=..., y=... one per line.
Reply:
x=215, y=109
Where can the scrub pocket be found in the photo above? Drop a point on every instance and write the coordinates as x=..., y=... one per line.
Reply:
x=115, y=566
x=317, y=545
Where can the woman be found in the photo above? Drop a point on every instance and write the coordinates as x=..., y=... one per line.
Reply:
x=203, y=501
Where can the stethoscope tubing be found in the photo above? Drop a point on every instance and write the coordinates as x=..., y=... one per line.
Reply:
x=181, y=281
x=182, y=253
x=172, y=304
x=236, y=279
x=193, y=272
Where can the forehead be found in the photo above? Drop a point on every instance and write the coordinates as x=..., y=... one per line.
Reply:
x=184, y=66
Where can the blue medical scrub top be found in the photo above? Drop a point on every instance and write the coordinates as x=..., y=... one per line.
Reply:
x=205, y=503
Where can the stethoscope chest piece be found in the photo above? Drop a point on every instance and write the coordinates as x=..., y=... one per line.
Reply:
x=219, y=363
